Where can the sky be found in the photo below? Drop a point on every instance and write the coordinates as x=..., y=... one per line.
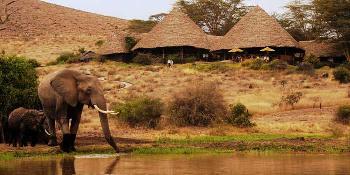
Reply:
x=142, y=9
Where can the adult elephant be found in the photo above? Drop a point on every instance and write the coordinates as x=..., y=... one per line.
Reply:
x=63, y=95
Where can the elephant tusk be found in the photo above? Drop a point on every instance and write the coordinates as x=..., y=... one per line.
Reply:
x=105, y=112
x=47, y=132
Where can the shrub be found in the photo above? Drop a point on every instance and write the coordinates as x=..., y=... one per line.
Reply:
x=291, y=99
x=99, y=43
x=256, y=64
x=343, y=114
x=277, y=65
x=239, y=116
x=346, y=65
x=218, y=67
x=178, y=60
x=67, y=57
x=18, y=85
x=306, y=68
x=130, y=42
x=143, y=59
x=34, y=63
x=82, y=50
x=312, y=59
x=197, y=105
x=141, y=111
x=342, y=75
x=247, y=63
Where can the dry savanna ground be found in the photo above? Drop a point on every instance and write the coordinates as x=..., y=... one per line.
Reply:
x=260, y=91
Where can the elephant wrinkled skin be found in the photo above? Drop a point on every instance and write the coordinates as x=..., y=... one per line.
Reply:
x=63, y=95
x=26, y=125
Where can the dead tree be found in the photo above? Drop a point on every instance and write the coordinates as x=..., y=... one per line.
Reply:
x=6, y=12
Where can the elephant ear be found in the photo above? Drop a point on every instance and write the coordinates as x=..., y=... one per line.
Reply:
x=66, y=86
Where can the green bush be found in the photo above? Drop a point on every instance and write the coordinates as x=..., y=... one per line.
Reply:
x=199, y=104
x=67, y=57
x=210, y=67
x=313, y=60
x=99, y=43
x=239, y=116
x=342, y=75
x=142, y=111
x=178, y=60
x=277, y=65
x=346, y=65
x=130, y=42
x=306, y=68
x=143, y=59
x=256, y=64
x=247, y=63
x=18, y=85
x=343, y=114
x=82, y=50
x=34, y=63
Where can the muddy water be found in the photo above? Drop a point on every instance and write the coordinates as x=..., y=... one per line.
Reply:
x=240, y=164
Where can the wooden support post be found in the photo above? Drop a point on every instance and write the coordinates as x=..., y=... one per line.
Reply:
x=164, y=56
x=182, y=54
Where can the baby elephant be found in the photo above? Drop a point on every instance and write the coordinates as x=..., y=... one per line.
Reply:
x=25, y=125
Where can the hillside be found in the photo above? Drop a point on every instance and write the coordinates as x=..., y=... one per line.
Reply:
x=42, y=30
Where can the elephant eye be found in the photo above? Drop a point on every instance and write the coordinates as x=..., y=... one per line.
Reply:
x=88, y=90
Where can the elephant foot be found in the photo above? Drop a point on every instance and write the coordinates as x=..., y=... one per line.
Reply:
x=65, y=145
x=71, y=143
x=52, y=142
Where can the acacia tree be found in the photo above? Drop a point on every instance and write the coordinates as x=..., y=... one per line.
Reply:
x=336, y=15
x=216, y=17
x=157, y=17
x=6, y=11
x=301, y=21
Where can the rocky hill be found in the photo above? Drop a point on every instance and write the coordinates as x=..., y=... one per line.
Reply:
x=42, y=30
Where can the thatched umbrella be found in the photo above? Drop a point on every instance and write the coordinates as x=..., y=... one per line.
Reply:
x=176, y=30
x=267, y=49
x=236, y=50
x=256, y=29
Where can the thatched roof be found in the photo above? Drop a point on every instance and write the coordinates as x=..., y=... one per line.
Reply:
x=256, y=29
x=177, y=29
x=113, y=44
x=320, y=48
x=213, y=40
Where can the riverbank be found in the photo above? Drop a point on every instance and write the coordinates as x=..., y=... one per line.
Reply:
x=272, y=143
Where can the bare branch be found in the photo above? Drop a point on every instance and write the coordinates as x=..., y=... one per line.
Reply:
x=6, y=16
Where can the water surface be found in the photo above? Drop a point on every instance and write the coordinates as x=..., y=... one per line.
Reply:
x=237, y=164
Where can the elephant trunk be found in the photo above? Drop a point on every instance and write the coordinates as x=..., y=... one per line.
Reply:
x=101, y=103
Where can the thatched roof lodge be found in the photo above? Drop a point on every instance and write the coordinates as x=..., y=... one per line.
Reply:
x=114, y=47
x=326, y=51
x=176, y=34
x=257, y=30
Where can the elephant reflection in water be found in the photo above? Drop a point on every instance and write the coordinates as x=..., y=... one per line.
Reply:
x=68, y=166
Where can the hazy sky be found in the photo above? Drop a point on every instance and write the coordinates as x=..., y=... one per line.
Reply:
x=142, y=9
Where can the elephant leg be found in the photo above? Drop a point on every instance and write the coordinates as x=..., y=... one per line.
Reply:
x=52, y=130
x=75, y=114
x=64, y=125
x=14, y=139
x=21, y=140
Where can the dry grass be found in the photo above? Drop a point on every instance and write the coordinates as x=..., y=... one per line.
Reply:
x=261, y=99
